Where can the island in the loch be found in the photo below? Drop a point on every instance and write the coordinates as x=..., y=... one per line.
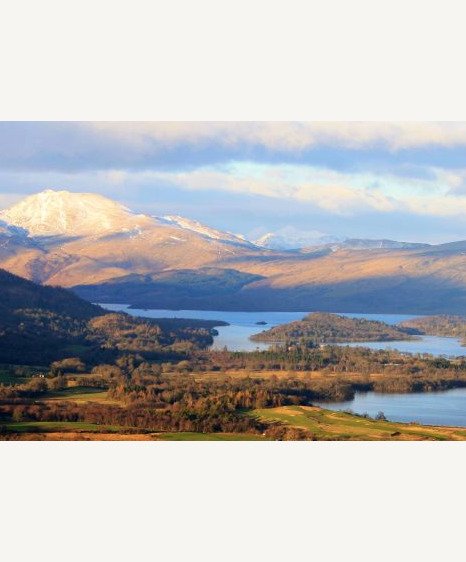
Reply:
x=444, y=325
x=322, y=328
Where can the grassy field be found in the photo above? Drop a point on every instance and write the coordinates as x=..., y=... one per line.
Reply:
x=51, y=426
x=328, y=425
x=322, y=425
x=190, y=436
x=78, y=431
x=80, y=394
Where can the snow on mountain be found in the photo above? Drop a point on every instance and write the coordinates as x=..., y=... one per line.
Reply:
x=62, y=213
x=65, y=214
x=291, y=238
x=53, y=213
x=10, y=231
x=369, y=244
x=202, y=229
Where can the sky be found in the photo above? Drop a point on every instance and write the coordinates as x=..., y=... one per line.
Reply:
x=402, y=181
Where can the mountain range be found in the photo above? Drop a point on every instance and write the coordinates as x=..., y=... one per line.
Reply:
x=107, y=253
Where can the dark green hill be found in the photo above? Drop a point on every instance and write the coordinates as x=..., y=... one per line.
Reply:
x=39, y=325
x=20, y=294
x=321, y=327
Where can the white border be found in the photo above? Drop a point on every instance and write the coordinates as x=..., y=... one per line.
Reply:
x=242, y=60
x=232, y=501
x=239, y=60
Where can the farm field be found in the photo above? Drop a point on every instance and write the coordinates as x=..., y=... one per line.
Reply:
x=80, y=395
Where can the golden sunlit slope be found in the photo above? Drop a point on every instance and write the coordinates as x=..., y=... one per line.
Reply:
x=376, y=280
x=73, y=238
x=344, y=281
x=156, y=248
x=108, y=252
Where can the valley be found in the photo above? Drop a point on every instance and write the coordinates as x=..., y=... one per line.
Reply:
x=86, y=373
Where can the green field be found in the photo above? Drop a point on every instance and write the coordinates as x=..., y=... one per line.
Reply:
x=80, y=394
x=328, y=425
x=120, y=433
x=191, y=436
x=53, y=426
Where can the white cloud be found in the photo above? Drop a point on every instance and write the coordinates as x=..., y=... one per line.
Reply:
x=343, y=194
x=336, y=193
x=287, y=136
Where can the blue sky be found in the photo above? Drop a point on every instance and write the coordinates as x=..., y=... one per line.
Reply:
x=405, y=181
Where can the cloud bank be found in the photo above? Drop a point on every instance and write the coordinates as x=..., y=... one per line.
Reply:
x=365, y=179
x=289, y=136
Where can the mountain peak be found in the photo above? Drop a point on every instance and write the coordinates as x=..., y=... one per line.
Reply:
x=65, y=213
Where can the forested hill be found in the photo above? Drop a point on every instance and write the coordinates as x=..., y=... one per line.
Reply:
x=39, y=325
x=443, y=325
x=320, y=327
x=20, y=294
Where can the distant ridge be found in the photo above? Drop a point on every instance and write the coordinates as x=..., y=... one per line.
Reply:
x=104, y=250
x=368, y=244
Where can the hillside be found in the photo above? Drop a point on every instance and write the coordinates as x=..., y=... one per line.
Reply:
x=318, y=327
x=108, y=253
x=40, y=324
x=20, y=294
x=378, y=281
x=178, y=288
x=82, y=238
x=443, y=325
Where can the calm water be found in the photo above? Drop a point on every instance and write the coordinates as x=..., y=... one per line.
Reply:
x=235, y=336
x=426, y=344
x=243, y=325
x=428, y=408
x=433, y=408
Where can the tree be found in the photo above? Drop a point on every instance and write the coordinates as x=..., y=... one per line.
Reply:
x=70, y=364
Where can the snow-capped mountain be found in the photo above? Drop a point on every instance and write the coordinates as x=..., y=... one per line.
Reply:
x=101, y=248
x=62, y=213
x=53, y=213
x=87, y=238
x=291, y=238
x=202, y=229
